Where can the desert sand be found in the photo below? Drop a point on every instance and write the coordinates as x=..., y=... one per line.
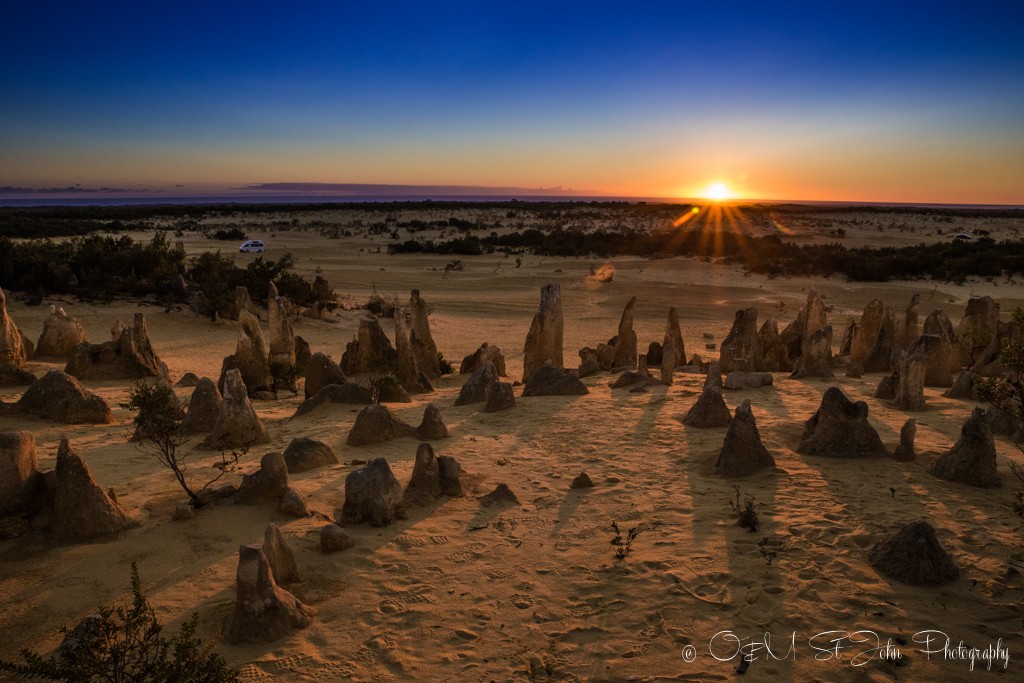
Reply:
x=536, y=594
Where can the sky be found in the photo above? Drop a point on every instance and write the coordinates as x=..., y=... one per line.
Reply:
x=893, y=102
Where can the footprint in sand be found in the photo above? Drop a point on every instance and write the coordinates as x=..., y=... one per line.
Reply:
x=521, y=600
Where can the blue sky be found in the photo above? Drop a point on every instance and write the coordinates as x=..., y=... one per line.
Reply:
x=919, y=102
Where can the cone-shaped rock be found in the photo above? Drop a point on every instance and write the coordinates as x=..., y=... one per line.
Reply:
x=814, y=317
x=549, y=380
x=425, y=485
x=203, y=408
x=264, y=612
x=910, y=327
x=12, y=349
x=188, y=381
x=370, y=351
x=81, y=509
x=279, y=555
x=432, y=426
x=13, y=376
x=304, y=454
x=500, y=397
x=742, y=451
x=940, y=359
x=881, y=353
x=977, y=327
x=905, y=451
x=282, y=342
x=544, y=341
x=502, y=495
x=582, y=481
x=669, y=363
x=237, y=424
x=910, y=383
x=479, y=384
x=334, y=538
x=775, y=355
x=914, y=556
x=674, y=336
x=713, y=380
x=372, y=494
x=59, y=397
x=347, y=393
x=748, y=380
x=320, y=372
x=625, y=348
x=406, y=363
x=377, y=424
x=130, y=356
x=816, y=360
x=61, y=334
x=487, y=351
x=251, y=357
x=423, y=348
x=293, y=504
x=267, y=483
x=709, y=411
x=741, y=349
x=19, y=474
x=840, y=429
x=793, y=336
x=972, y=460
x=867, y=331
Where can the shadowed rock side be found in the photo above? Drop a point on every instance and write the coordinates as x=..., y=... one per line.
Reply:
x=816, y=360
x=742, y=451
x=914, y=556
x=775, y=355
x=910, y=326
x=487, y=351
x=264, y=612
x=370, y=351
x=674, y=337
x=501, y=496
x=878, y=360
x=840, y=429
x=972, y=460
x=81, y=509
x=13, y=376
x=424, y=350
x=334, y=538
x=130, y=356
x=266, y=484
x=346, y=393
x=19, y=474
x=988, y=363
x=910, y=382
x=552, y=381
x=12, y=349
x=941, y=358
x=741, y=349
x=625, y=346
x=713, y=379
x=61, y=335
x=867, y=331
x=188, y=381
x=59, y=397
x=407, y=370
x=304, y=454
x=377, y=424
x=237, y=424
x=708, y=411
x=500, y=397
x=372, y=495
x=281, y=356
x=279, y=555
x=432, y=477
x=203, y=408
x=251, y=357
x=479, y=384
x=748, y=380
x=320, y=372
x=814, y=317
x=977, y=328
x=544, y=340
x=905, y=451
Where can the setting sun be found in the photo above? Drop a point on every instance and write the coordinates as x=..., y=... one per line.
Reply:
x=717, y=191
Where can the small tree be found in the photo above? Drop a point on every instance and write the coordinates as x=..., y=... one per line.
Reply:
x=158, y=430
x=124, y=644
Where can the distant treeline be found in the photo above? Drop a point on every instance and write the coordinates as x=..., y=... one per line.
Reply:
x=947, y=261
x=102, y=268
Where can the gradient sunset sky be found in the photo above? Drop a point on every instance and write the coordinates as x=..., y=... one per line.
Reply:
x=897, y=101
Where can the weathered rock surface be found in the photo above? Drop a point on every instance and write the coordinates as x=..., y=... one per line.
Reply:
x=372, y=494
x=423, y=348
x=432, y=426
x=279, y=555
x=748, y=380
x=487, y=351
x=905, y=451
x=479, y=384
x=188, y=381
x=500, y=397
x=59, y=397
x=346, y=393
x=582, y=481
x=334, y=538
x=972, y=460
x=742, y=451
x=840, y=429
x=910, y=382
x=203, y=408
x=940, y=359
x=913, y=555
x=61, y=335
x=910, y=327
x=293, y=504
x=502, y=496
x=625, y=347
x=429, y=481
x=741, y=349
x=377, y=424
x=303, y=454
x=549, y=380
x=544, y=340
x=881, y=353
x=674, y=337
x=20, y=479
x=708, y=411
x=264, y=612
x=320, y=372
x=267, y=483
x=130, y=356
x=82, y=510
x=406, y=362
x=866, y=332
x=13, y=376
x=816, y=360
x=251, y=357
x=814, y=317
x=237, y=424
x=977, y=328
x=775, y=355
x=283, y=365
x=370, y=351
x=12, y=349
x=713, y=380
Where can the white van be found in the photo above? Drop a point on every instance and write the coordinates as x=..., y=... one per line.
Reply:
x=254, y=246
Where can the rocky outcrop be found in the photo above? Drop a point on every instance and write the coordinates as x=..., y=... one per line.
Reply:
x=913, y=555
x=589, y=365
x=654, y=353
x=905, y=451
x=625, y=346
x=910, y=327
x=13, y=376
x=775, y=355
x=881, y=353
x=346, y=393
x=709, y=411
x=130, y=356
x=582, y=481
x=424, y=350
x=293, y=505
x=81, y=509
x=713, y=379
x=406, y=362
x=816, y=360
x=279, y=555
x=988, y=363
x=251, y=357
x=741, y=349
x=283, y=366
x=12, y=348
x=264, y=612
x=237, y=424
x=977, y=328
x=320, y=372
x=19, y=475
x=432, y=426
x=430, y=480
x=304, y=454
x=814, y=317
x=188, y=381
x=941, y=358
x=910, y=382
x=479, y=384
x=544, y=340
x=669, y=363
x=203, y=408
x=370, y=351
x=61, y=335
x=266, y=484
x=972, y=460
x=501, y=496
x=372, y=494
x=674, y=337
x=377, y=424
x=59, y=397
x=487, y=351
x=866, y=332
x=748, y=380
x=793, y=336
x=742, y=451
x=500, y=397
x=334, y=538
x=840, y=429
x=549, y=380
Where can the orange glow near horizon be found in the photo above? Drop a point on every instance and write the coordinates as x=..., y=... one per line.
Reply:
x=717, y=191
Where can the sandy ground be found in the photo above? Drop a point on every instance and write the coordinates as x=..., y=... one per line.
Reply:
x=537, y=594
